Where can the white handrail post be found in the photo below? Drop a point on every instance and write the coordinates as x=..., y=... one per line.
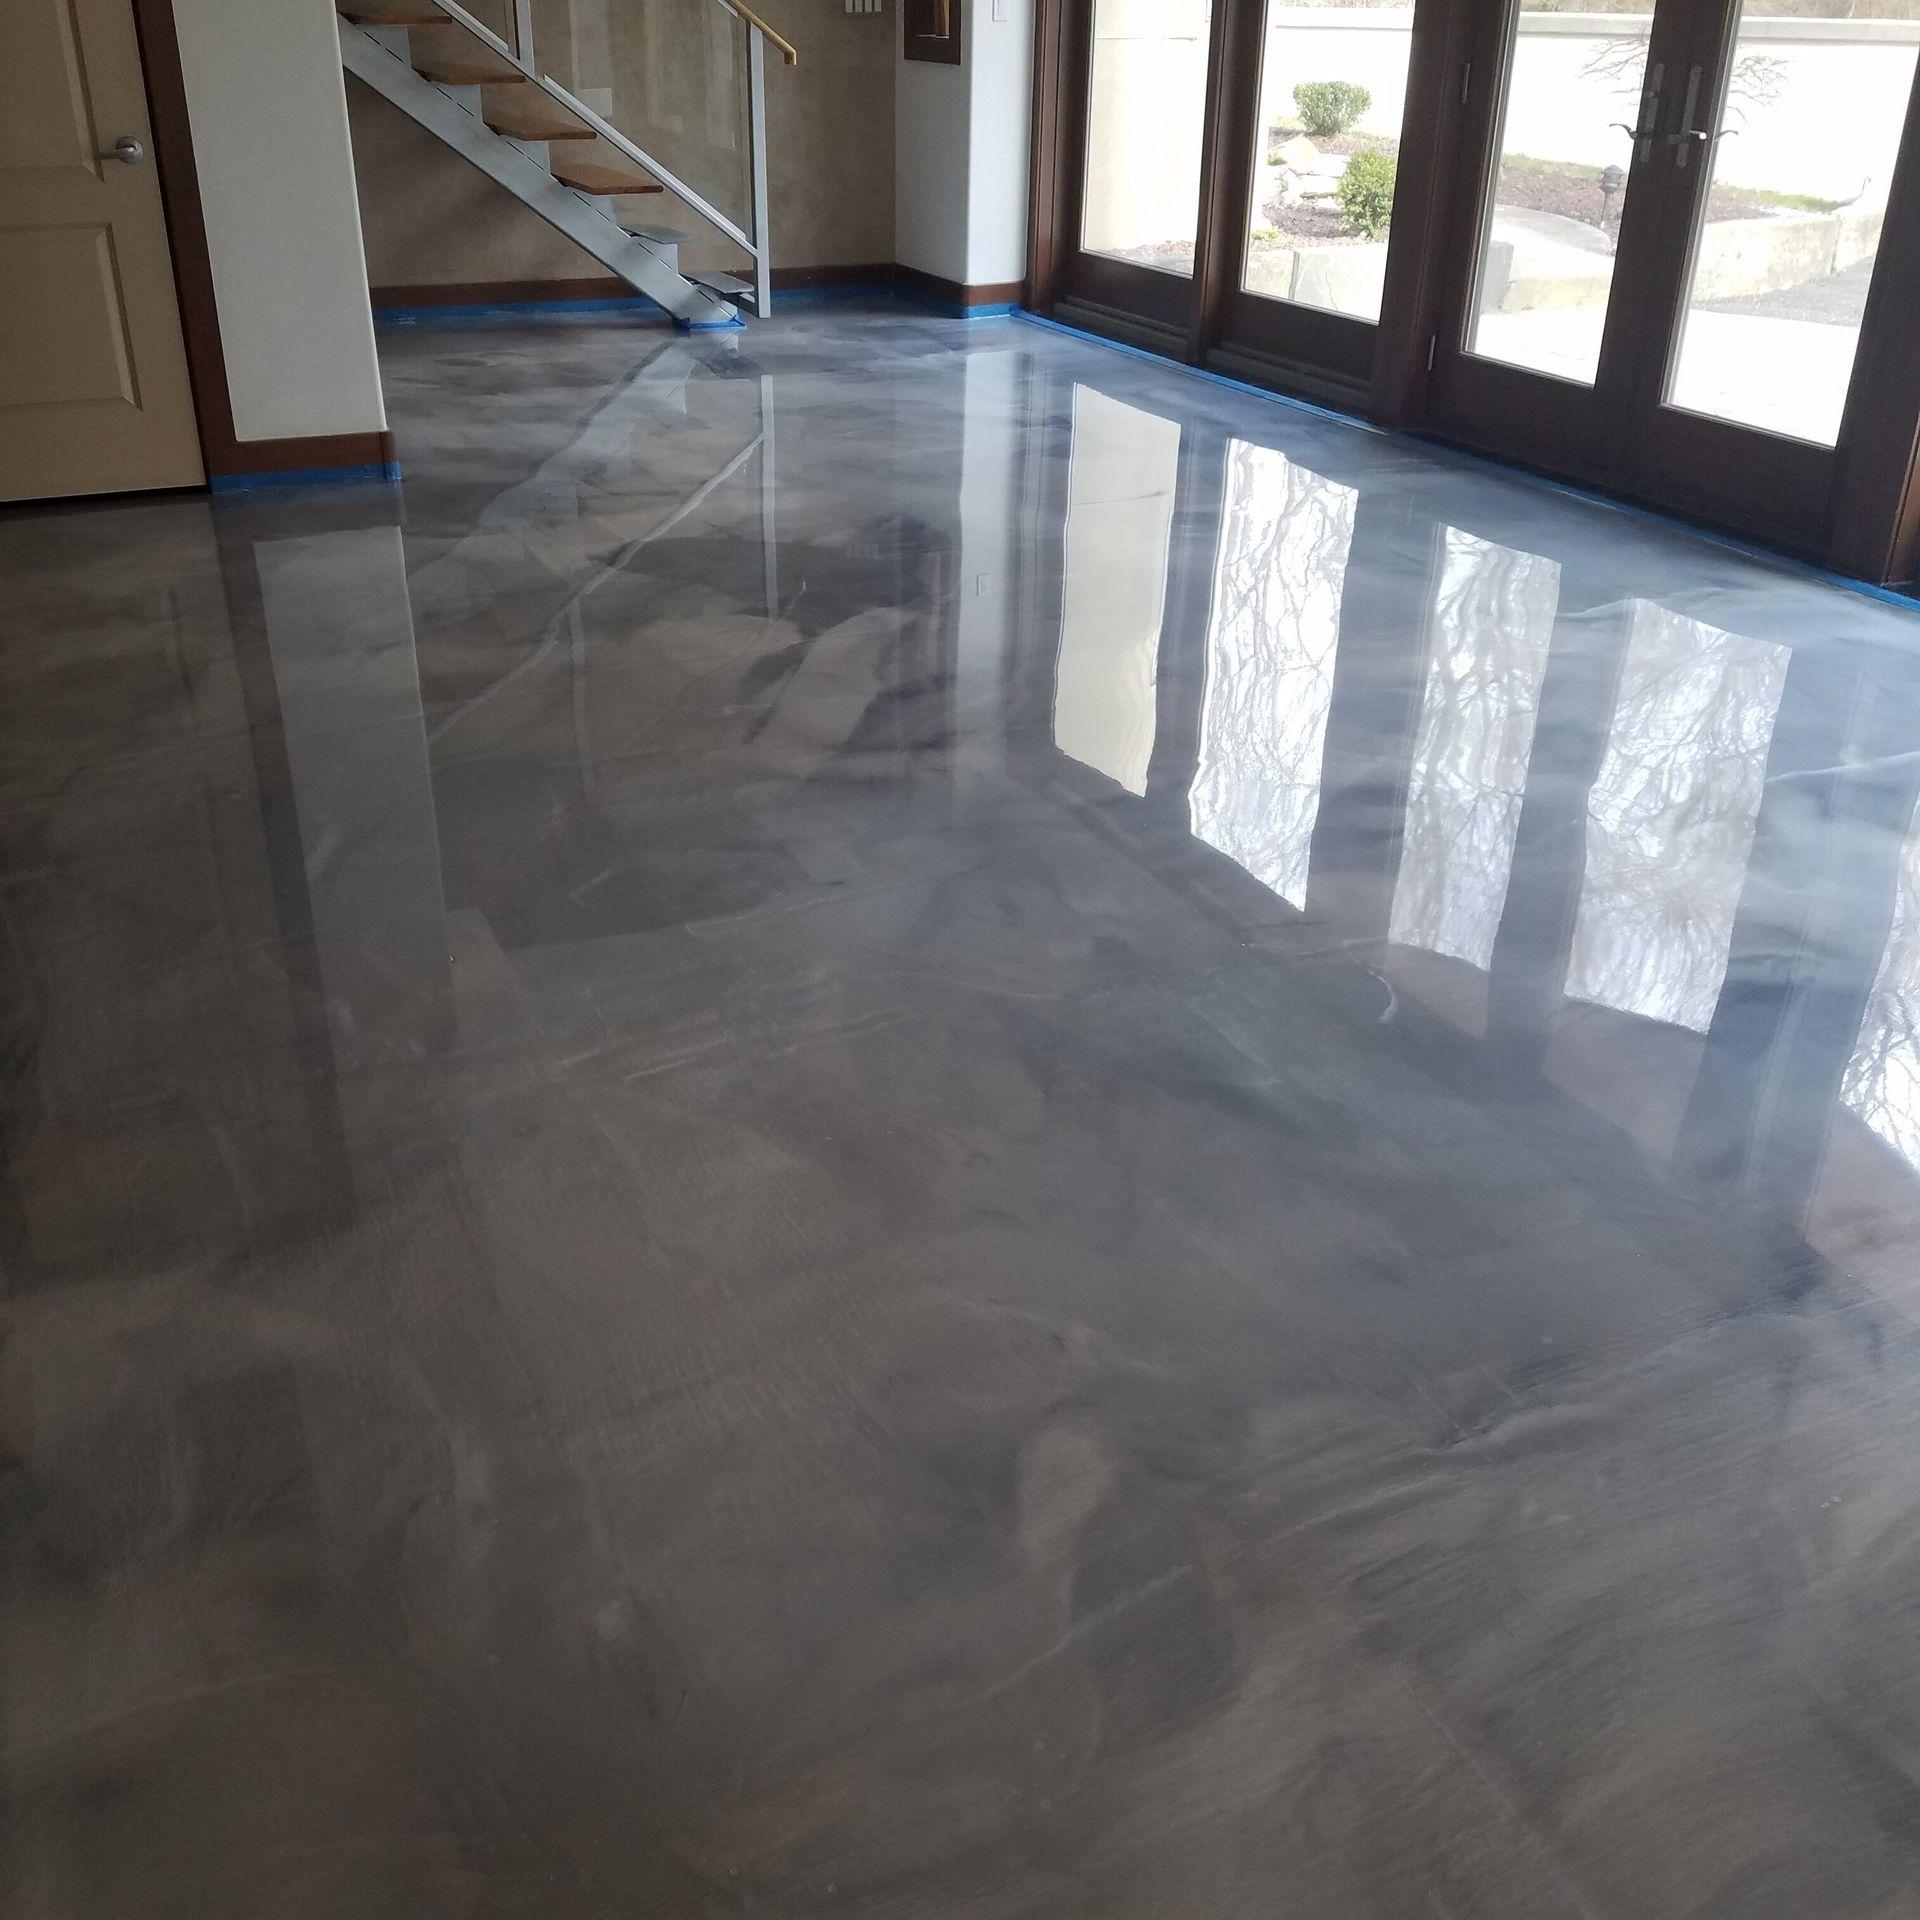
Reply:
x=757, y=141
x=523, y=32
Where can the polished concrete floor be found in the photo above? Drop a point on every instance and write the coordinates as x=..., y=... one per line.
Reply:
x=894, y=1120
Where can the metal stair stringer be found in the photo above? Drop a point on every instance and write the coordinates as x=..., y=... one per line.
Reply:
x=367, y=57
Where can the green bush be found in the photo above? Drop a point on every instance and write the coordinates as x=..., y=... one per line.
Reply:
x=1366, y=193
x=1330, y=106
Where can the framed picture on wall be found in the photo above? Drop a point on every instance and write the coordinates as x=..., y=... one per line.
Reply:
x=933, y=31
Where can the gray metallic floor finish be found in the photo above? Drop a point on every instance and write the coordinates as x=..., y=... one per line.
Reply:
x=898, y=1121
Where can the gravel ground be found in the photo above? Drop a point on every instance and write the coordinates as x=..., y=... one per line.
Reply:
x=1838, y=300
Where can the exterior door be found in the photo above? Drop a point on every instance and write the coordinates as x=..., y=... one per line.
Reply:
x=1135, y=124
x=1673, y=313
x=94, y=392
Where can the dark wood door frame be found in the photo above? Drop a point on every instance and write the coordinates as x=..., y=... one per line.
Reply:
x=1856, y=508
x=224, y=454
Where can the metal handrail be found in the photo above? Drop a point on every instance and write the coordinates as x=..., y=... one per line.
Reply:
x=758, y=244
x=788, y=51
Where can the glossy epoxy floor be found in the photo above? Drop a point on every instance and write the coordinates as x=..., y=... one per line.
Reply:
x=899, y=1120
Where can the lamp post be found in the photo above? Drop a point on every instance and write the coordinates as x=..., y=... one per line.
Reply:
x=1612, y=179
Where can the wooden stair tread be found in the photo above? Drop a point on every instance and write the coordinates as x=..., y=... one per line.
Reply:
x=521, y=122
x=596, y=176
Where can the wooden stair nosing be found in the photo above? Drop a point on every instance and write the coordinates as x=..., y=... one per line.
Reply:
x=508, y=119
x=589, y=176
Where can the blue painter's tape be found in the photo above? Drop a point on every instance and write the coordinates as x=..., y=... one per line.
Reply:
x=735, y=325
x=953, y=310
x=378, y=473
x=1650, y=516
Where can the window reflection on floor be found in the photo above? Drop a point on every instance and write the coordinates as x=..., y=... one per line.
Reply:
x=1271, y=639
x=1882, y=1083
x=1492, y=623
x=1120, y=489
x=1671, y=817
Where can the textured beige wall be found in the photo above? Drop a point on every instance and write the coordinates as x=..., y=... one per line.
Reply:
x=830, y=134
x=430, y=219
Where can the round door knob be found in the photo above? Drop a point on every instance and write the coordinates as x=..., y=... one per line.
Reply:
x=127, y=149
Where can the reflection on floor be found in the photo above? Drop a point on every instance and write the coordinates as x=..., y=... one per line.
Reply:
x=902, y=1120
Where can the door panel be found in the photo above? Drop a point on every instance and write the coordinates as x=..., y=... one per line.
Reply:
x=1326, y=143
x=94, y=393
x=1787, y=232
x=1551, y=223
x=1146, y=107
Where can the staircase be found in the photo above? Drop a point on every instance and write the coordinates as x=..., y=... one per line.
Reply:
x=489, y=101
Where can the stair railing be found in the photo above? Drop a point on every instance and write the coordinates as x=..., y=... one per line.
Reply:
x=758, y=245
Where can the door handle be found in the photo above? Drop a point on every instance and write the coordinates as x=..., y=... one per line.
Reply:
x=1641, y=132
x=1690, y=136
x=127, y=150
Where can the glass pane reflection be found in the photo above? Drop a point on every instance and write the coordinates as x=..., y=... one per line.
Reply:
x=1271, y=639
x=1120, y=489
x=1671, y=817
x=1492, y=622
x=1882, y=1083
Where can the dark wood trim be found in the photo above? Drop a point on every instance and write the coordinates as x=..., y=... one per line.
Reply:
x=1117, y=323
x=1297, y=379
x=1046, y=223
x=879, y=273
x=1215, y=247
x=488, y=293
x=310, y=453
x=1875, y=514
x=910, y=280
x=1430, y=135
x=186, y=229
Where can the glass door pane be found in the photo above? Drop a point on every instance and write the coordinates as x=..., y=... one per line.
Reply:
x=1809, y=119
x=1146, y=107
x=1575, y=86
x=1333, y=85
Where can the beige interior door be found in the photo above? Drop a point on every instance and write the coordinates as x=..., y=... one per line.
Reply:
x=94, y=396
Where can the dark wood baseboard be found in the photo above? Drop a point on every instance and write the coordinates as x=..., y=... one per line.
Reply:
x=311, y=453
x=1005, y=293
x=502, y=293
x=880, y=273
x=876, y=273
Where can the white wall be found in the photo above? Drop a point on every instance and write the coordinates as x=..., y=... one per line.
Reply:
x=268, y=108
x=1000, y=55
x=960, y=151
x=930, y=146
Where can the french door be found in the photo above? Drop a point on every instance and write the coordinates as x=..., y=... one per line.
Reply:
x=1137, y=106
x=1679, y=316
x=1667, y=247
